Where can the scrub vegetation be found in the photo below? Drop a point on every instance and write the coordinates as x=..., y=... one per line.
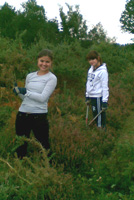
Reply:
x=86, y=163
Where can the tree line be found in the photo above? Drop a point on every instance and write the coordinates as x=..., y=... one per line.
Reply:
x=32, y=23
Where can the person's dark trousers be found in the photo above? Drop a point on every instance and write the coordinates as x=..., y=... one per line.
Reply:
x=38, y=123
x=96, y=108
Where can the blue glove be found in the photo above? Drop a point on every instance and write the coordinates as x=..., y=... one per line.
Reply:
x=104, y=106
x=18, y=90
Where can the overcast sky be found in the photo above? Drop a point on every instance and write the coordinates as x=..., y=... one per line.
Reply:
x=107, y=12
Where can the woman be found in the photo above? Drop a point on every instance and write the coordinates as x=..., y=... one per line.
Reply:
x=97, y=90
x=32, y=114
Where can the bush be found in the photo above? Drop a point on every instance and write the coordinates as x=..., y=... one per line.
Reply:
x=86, y=163
x=5, y=114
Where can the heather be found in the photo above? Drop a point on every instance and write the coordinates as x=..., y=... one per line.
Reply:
x=86, y=163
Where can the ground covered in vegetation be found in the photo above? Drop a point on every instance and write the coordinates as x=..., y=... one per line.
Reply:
x=86, y=163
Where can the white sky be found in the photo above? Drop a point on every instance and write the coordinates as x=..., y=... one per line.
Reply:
x=107, y=12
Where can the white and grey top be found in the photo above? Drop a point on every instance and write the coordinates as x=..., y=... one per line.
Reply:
x=97, y=83
x=39, y=89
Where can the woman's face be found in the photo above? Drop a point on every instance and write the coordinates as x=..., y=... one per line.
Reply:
x=94, y=62
x=44, y=64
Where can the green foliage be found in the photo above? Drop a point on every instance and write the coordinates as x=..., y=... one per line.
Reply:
x=34, y=178
x=119, y=167
x=86, y=163
x=7, y=16
x=127, y=17
x=31, y=23
x=70, y=63
x=33, y=20
x=73, y=25
x=5, y=114
x=97, y=34
x=117, y=58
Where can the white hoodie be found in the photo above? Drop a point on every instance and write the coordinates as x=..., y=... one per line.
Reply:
x=97, y=83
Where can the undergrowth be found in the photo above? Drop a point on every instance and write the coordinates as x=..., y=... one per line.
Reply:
x=86, y=163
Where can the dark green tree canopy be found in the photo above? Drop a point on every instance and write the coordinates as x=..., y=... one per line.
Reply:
x=73, y=25
x=33, y=20
x=31, y=23
x=7, y=16
x=127, y=17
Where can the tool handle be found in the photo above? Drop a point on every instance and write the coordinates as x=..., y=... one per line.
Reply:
x=95, y=117
x=87, y=114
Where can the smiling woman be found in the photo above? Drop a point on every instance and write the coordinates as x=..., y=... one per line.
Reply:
x=32, y=115
x=44, y=62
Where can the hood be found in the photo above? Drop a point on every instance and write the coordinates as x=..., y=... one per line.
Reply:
x=103, y=66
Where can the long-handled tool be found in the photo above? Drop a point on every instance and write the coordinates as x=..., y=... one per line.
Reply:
x=95, y=117
x=87, y=114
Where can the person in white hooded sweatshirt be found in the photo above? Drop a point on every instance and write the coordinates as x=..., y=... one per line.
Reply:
x=97, y=90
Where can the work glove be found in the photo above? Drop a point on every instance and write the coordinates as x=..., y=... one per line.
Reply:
x=104, y=106
x=18, y=90
x=87, y=101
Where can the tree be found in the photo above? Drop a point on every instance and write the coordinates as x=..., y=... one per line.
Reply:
x=32, y=19
x=30, y=24
x=7, y=16
x=127, y=17
x=73, y=25
x=97, y=34
x=51, y=31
